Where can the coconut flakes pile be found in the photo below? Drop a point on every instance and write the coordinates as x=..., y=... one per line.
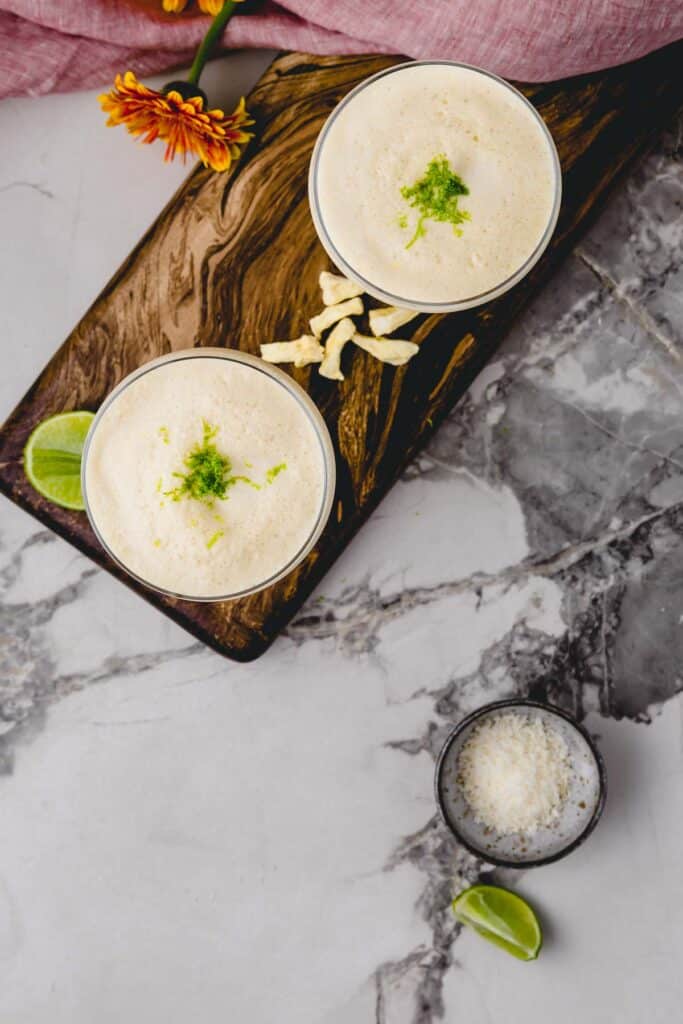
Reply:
x=515, y=773
x=342, y=301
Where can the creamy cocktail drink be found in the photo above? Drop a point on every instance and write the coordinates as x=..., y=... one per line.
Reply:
x=435, y=185
x=208, y=474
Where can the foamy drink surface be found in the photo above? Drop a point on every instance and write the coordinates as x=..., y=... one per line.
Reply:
x=205, y=477
x=435, y=183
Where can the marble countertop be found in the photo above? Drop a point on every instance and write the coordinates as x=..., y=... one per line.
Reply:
x=186, y=839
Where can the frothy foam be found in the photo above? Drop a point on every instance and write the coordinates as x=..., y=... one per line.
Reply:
x=188, y=546
x=385, y=138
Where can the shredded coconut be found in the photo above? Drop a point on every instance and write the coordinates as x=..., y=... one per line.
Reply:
x=514, y=773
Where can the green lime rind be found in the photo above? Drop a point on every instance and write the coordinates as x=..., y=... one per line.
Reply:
x=501, y=917
x=52, y=458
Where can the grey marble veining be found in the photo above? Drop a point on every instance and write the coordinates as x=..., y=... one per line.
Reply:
x=187, y=836
x=579, y=416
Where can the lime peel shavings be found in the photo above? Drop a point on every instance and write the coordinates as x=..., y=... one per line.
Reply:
x=502, y=917
x=246, y=480
x=209, y=472
x=436, y=196
x=209, y=476
x=275, y=471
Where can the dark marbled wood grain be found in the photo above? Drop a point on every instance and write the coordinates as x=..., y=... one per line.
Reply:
x=233, y=260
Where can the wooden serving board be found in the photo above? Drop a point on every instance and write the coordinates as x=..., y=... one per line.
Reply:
x=234, y=260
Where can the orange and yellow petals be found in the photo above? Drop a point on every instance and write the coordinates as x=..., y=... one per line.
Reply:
x=183, y=125
x=211, y=7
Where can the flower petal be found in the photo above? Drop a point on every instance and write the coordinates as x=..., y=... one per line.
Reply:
x=182, y=123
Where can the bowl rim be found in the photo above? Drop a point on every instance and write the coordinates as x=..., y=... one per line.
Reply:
x=423, y=306
x=499, y=705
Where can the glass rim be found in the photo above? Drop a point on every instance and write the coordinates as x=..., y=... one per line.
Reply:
x=397, y=300
x=315, y=418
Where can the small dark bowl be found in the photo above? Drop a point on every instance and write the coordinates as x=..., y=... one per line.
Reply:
x=581, y=810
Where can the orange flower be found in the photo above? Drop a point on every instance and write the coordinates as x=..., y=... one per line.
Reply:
x=211, y=7
x=177, y=116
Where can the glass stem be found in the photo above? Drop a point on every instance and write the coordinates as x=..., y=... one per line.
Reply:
x=210, y=40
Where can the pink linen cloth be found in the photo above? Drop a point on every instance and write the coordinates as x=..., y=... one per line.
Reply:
x=62, y=45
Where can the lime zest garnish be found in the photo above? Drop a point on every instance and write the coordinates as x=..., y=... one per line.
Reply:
x=157, y=543
x=164, y=435
x=246, y=480
x=275, y=471
x=419, y=232
x=215, y=538
x=436, y=195
x=209, y=472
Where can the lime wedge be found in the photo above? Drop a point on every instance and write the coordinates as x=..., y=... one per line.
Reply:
x=52, y=457
x=502, y=917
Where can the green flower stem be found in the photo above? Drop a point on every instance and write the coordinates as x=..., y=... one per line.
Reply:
x=210, y=40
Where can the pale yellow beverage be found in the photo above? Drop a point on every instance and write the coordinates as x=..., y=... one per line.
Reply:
x=208, y=474
x=394, y=150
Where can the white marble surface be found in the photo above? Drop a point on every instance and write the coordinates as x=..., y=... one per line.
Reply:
x=188, y=839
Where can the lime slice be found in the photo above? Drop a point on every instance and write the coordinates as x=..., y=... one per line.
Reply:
x=52, y=457
x=502, y=917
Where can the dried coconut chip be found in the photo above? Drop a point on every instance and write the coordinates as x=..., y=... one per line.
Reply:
x=388, y=350
x=332, y=314
x=301, y=351
x=336, y=288
x=331, y=364
x=389, y=318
